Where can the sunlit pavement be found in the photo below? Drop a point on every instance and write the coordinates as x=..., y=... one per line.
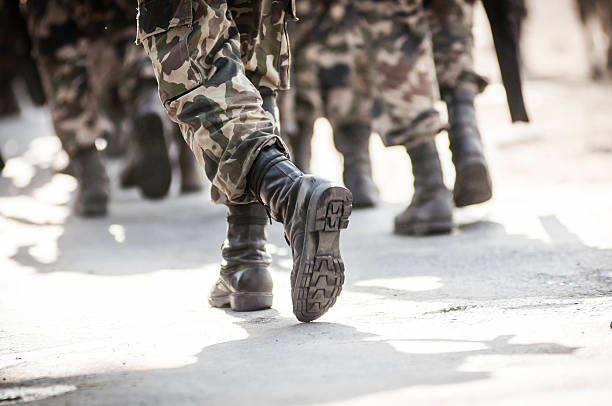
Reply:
x=513, y=308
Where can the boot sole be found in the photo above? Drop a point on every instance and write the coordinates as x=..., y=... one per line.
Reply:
x=472, y=185
x=243, y=302
x=319, y=275
x=425, y=228
x=154, y=172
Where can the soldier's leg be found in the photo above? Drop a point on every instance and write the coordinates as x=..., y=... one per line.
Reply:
x=60, y=48
x=343, y=75
x=451, y=22
x=398, y=40
x=208, y=81
x=301, y=105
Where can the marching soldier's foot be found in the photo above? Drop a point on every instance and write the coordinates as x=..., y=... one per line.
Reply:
x=430, y=212
x=93, y=189
x=472, y=181
x=192, y=178
x=431, y=209
x=245, y=283
x=313, y=212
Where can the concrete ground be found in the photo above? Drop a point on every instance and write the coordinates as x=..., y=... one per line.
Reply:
x=515, y=307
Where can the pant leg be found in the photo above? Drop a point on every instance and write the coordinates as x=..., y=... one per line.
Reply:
x=404, y=82
x=451, y=23
x=200, y=68
x=343, y=69
x=60, y=48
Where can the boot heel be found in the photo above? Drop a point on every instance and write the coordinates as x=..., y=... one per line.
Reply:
x=472, y=185
x=319, y=278
x=250, y=302
x=333, y=214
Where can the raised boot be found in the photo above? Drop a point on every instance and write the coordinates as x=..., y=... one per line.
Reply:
x=472, y=181
x=148, y=163
x=313, y=211
x=431, y=208
x=245, y=283
x=353, y=141
x=93, y=184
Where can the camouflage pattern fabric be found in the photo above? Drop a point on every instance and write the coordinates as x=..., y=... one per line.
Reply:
x=329, y=76
x=372, y=62
x=451, y=23
x=93, y=68
x=60, y=45
x=210, y=57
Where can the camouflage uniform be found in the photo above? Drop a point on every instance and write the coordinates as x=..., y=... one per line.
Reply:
x=212, y=59
x=451, y=24
x=359, y=74
x=59, y=32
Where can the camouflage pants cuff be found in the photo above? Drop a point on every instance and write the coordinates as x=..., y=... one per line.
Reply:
x=422, y=129
x=237, y=191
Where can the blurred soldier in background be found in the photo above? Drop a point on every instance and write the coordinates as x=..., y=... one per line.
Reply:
x=16, y=61
x=596, y=17
x=58, y=29
x=329, y=79
x=92, y=71
x=431, y=209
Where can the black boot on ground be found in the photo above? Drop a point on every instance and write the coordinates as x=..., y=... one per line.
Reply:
x=353, y=141
x=192, y=176
x=148, y=163
x=313, y=211
x=472, y=182
x=431, y=209
x=245, y=283
x=93, y=189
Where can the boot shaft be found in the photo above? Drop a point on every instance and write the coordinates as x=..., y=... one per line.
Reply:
x=245, y=245
x=426, y=167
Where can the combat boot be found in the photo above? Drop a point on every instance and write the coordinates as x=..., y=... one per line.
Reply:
x=353, y=141
x=313, y=211
x=93, y=184
x=431, y=209
x=192, y=177
x=245, y=282
x=148, y=163
x=472, y=181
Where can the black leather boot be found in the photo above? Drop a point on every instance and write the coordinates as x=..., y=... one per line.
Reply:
x=93, y=189
x=472, y=182
x=148, y=163
x=245, y=283
x=313, y=211
x=353, y=141
x=431, y=209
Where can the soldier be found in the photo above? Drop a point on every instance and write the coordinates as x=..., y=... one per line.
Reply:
x=329, y=79
x=60, y=44
x=218, y=65
x=432, y=206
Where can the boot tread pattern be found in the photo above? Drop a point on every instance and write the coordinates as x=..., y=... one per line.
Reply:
x=322, y=277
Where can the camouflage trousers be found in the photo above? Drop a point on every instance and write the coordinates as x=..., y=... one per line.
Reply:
x=212, y=58
x=451, y=23
x=85, y=53
x=331, y=66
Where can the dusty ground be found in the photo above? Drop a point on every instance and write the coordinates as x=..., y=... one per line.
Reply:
x=513, y=308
